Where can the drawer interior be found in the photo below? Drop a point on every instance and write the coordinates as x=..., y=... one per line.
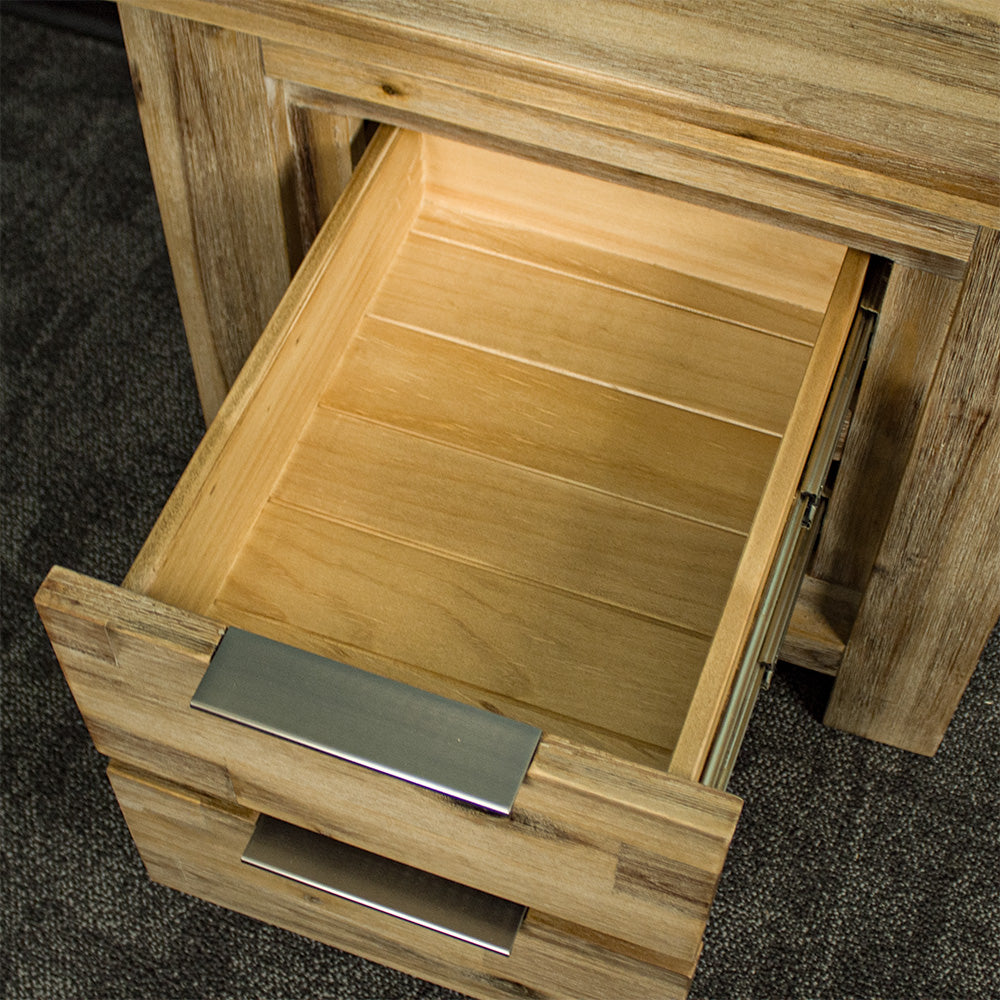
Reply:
x=519, y=437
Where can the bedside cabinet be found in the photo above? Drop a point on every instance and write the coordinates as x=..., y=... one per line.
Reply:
x=443, y=648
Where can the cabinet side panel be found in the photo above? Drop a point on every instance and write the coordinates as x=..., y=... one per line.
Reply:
x=203, y=104
x=934, y=594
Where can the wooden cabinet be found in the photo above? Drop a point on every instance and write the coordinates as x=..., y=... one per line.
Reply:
x=545, y=435
x=533, y=442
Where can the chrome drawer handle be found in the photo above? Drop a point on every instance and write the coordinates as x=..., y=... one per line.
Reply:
x=459, y=750
x=382, y=884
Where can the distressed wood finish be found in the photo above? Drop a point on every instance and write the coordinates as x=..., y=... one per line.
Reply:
x=681, y=96
x=202, y=99
x=912, y=325
x=937, y=574
x=319, y=147
x=193, y=843
x=820, y=626
x=620, y=848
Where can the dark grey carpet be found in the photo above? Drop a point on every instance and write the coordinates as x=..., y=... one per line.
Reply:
x=858, y=871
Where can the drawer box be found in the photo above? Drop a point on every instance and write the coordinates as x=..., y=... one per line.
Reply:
x=531, y=442
x=193, y=843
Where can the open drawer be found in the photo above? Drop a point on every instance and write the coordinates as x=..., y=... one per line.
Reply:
x=531, y=443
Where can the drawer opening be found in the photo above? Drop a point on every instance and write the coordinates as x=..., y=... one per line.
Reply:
x=522, y=438
x=382, y=884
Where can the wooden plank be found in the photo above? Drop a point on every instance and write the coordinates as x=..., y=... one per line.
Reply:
x=237, y=463
x=316, y=147
x=934, y=595
x=737, y=253
x=625, y=445
x=912, y=325
x=783, y=121
x=857, y=81
x=664, y=156
x=217, y=185
x=802, y=69
x=491, y=514
x=594, y=331
x=820, y=626
x=619, y=267
x=584, y=829
x=775, y=507
x=193, y=843
x=526, y=642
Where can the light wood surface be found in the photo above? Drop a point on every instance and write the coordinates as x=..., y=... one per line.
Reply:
x=780, y=493
x=501, y=478
x=738, y=254
x=820, y=626
x=621, y=848
x=239, y=452
x=506, y=636
x=650, y=271
x=937, y=573
x=621, y=443
x=513, y=519
x=672, y=353
x=193, y=843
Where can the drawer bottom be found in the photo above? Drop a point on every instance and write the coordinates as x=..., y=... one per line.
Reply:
x=194, y=844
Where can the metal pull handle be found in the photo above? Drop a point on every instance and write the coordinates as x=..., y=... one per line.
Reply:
x=459, y=750
x=388, y=886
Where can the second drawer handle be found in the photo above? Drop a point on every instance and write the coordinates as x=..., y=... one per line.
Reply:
x=382, y=884
x=456, y=749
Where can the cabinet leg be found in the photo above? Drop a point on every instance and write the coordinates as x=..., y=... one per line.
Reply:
x=934, y=591
x=203, y=104
x=912, y=328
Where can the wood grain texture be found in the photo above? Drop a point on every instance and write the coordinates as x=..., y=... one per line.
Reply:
x=741, y=254
x=553, y=422
x=193, y=843
x=246, y=445
x=821, y=623
x=663, y=155
x=653, y=271
x=580, y=819
x=852, y=78
x=316, y=148
x=595, y=331
x=913, y=322
x=935, y=588
x=468, y=507
x=764, y=537
x=509, y=637
x=843, y=127
x=204, y=110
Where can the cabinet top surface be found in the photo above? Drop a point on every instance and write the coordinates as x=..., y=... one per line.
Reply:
x=906, y=92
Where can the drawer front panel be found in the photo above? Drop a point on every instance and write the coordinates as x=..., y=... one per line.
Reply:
x=474, y=756
x=193, y=843
x=594, y=840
